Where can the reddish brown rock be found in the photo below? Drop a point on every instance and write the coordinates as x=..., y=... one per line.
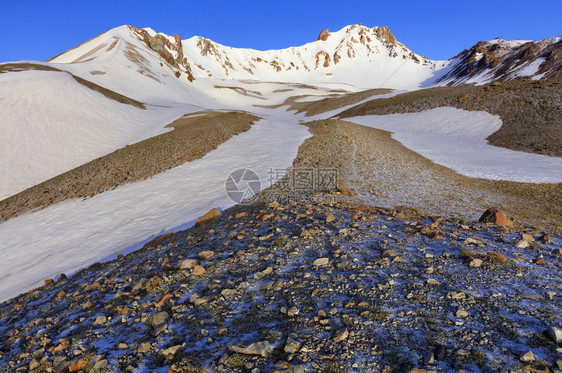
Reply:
x=151, y=284
x=345, y=191
x=208, y=217
x=385, y=34
x=495, y=216
x=389, y=253
x=63, y=344
x=324, y=35
x=397, y=259
x=78, y=366
x=179, y=47
x=266, y=217
x=426, y=230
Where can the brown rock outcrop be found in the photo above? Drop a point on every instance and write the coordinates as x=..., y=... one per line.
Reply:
x=206, y=46
x=322, y=55
x=179, y=47
x=495, y=216
x=208, y=217
x=162, y=45
x=385, y=34
x=324, y=35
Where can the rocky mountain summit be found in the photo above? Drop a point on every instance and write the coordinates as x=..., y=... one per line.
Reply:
x=320, y=284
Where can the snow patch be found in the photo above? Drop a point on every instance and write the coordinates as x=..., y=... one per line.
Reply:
x=456, y=139
x=530, y=68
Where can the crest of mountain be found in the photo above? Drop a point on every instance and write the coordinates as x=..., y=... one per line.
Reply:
x=500, y=60
x=358, y=55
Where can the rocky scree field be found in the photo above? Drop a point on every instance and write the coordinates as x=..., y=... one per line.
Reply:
x=383, y=172
x=325, y=284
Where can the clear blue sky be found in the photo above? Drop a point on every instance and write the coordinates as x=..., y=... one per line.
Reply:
x=38, y=30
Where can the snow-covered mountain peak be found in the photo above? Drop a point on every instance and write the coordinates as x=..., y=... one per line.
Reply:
x=358, y=55
x=327, y=59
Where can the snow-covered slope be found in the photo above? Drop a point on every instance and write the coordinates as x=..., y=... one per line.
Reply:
x=125, y=218
x=51, y=123
x=358, y=55
x=120, y=61
x=457, y=139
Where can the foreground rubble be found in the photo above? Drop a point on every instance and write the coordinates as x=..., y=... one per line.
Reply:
x=321, y=285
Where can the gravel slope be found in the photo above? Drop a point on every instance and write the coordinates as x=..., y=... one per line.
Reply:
x=193, y=136
x=385, y=173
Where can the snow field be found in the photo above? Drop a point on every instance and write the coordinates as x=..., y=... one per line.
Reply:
x=456, y=139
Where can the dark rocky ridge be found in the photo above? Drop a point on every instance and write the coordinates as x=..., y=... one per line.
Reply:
x=501, y=59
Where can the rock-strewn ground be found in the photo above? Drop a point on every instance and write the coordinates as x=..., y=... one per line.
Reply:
x=194, y=135
x=382, y=172
x=322, y=284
